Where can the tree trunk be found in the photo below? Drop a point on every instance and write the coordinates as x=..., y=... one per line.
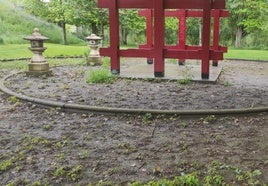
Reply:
x=64, y=35
x=238, y=37
x=200, y=32
x=124, y=36
x=94, y=28
x=102, y=34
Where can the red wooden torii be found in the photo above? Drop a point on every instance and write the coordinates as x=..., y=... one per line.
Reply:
x=159, y=52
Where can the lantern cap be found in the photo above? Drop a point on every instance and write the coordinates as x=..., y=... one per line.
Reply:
x=36, y=35
x=93, y=37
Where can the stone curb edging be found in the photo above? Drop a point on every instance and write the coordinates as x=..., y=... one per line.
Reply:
x=87, y=108
x=73, y=57
x=27, y=58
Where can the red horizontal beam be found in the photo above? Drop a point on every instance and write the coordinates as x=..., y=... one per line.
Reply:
x=168, y=53
x=219, y=48
x=146, y=53
x=192, y=54
x=176, y=47
x=194, y=13
x=145, y=46
x=183, y=54
x=168, y=4
x=127, y=3
x=189, y=13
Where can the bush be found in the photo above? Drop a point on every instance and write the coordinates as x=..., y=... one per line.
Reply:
x=1, y=41
x=100, y=76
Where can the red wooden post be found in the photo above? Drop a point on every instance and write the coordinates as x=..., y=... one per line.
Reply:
x=114, y=36
x=159, y=38
x=216, y=33
x=182, y=32
x=206, y=39
x=148, y=13
x=150, y=34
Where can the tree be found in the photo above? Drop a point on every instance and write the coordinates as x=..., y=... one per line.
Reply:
x=58, y=11
x=55, y=11
x=85, y=13
x=130, y=22
x=245, y=17
x=75, y=12
x=36, y=7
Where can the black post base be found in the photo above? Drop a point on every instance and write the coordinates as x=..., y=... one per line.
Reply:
x=181, y=63
x=150, y=61
x=215, y=63
x=159, y=74
x=205, y=76
x=115, y=71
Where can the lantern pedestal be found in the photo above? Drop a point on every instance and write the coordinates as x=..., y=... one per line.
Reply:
x=94, y=57
x=38, y=65
x=94, y=60
x=38, y=69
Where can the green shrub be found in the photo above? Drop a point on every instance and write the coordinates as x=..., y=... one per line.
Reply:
x=185, y=180
x=1, y=41
x=100, y=76
x=16, y=24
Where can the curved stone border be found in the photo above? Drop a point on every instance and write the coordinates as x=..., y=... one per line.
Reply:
x=27, y=58
x=86, y=108
x=73, y=57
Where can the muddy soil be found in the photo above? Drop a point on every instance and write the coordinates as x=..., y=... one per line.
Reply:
x=48, y=146
x=235, y=89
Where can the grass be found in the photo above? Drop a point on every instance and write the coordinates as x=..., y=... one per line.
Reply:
x=100, y=75
x=21, y=50
x=65, y=50
x=14, y=51
x=247, y=54
x=23, y=65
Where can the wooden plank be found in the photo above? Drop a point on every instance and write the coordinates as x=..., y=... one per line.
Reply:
x=169, y=52
x=168, y=4
x=190, y=13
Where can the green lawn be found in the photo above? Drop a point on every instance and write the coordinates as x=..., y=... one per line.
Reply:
x=247, y=54
x=21, y=50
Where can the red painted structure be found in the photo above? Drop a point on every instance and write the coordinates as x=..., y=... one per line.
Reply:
x=158, y=51
x=182, y=16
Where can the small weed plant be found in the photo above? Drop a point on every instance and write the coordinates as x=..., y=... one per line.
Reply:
x=100, y=76
x=227, y=83
x=210, y=119
x=72, y=174
x=215, y=175
x=187, y=76
x=5, y=165
x=13, y=100
x=184, y=180
x=146, y=118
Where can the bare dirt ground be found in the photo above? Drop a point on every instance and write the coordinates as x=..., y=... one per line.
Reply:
x=48, y=146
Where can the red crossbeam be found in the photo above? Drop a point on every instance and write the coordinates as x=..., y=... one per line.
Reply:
x=190, y=53
x=189, y=13
x=167, y=4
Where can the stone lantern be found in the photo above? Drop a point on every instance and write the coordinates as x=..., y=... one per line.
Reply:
x=38, y=64
x=94, y=55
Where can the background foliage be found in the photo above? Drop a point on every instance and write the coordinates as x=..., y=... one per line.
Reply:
x=16, y=24
x=246, y=27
